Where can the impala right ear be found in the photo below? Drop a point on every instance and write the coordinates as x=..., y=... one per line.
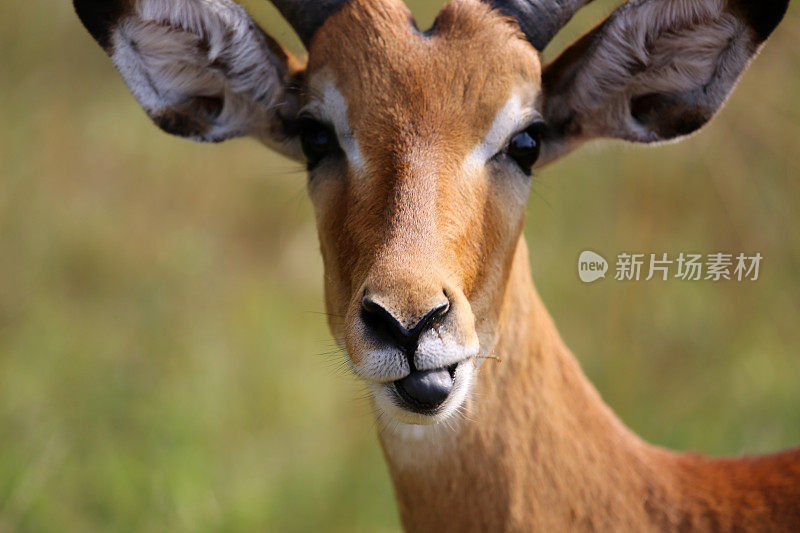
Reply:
x=201, y=69
x=654, y=71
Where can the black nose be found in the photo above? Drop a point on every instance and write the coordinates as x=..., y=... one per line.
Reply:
x=384, y=325
x=425, y=390
x=422, y=390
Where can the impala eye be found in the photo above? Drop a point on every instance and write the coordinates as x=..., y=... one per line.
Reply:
x=317, y=140
x=524, y=147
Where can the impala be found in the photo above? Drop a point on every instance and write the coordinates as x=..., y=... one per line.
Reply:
x=419, y=147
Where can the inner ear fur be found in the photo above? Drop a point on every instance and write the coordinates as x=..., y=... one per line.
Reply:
x=201, y=69
x=653, y=71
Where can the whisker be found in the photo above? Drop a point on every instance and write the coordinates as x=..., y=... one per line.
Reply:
x=324, y=313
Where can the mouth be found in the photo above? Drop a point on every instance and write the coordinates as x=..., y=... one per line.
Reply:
x=425, y=397
x=424, y=391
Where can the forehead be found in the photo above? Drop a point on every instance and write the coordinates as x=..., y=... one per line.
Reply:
x=402, y=85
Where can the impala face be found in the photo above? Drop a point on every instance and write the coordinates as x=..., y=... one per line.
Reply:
x=420, y=145
x=419, y=174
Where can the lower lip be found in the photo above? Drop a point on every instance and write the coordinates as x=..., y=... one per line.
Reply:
x=411, y=402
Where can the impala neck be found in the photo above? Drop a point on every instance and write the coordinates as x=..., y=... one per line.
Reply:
x=538, y=448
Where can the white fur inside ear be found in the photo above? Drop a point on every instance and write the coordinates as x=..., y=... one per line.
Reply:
x=176, y=54
x=690, y=51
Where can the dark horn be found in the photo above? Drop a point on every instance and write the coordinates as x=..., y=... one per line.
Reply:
x=539, y=20
x=307, y=16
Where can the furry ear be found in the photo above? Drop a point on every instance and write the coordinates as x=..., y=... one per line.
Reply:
x=655, y=70
x=201, y=69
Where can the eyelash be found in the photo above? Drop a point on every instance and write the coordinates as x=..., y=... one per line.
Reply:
x=527, y=153
x=317, y=139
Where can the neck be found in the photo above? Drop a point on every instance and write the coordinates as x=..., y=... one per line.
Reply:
x=538, y=449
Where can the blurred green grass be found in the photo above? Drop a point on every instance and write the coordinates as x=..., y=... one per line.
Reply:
x=163, y=361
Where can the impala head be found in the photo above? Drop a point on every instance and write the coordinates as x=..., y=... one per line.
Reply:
x=420, y=146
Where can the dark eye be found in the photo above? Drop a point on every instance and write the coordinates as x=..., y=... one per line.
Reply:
x=317, y=140
x=524, y=147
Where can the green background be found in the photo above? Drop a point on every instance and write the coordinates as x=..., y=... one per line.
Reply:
x=164, y=365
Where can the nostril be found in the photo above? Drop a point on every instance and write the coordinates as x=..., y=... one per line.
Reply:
x=380, y=321
x=383, y=323
x=371, y=306
x=436, y=312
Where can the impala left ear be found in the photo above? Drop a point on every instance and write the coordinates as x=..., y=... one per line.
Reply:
x=201, y=69
x=653, y=71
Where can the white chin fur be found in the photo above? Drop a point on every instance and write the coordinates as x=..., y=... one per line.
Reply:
x=392, y=416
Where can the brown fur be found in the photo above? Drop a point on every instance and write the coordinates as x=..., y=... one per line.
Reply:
x=538, y=449
x=416, y=223
x=534, y=446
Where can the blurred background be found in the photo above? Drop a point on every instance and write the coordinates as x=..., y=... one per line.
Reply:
x=164, y=365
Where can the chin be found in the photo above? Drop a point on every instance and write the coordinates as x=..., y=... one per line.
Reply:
x=393, y=408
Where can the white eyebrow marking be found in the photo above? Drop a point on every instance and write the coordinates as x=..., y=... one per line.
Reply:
x=336, y=108
x=511, y=117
